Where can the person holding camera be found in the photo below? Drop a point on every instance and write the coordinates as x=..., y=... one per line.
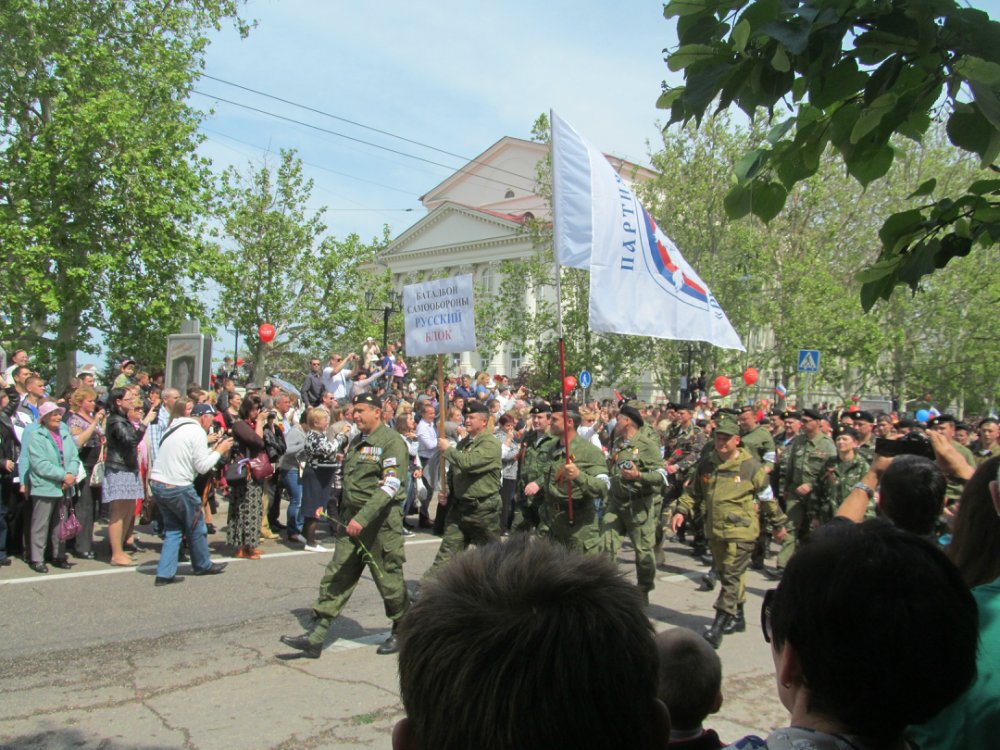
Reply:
x=184, y=454
x=637, y=477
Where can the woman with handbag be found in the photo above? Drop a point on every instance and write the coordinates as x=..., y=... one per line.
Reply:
x=86, y=426
x=319, y=458
x=123, y=486
x=246, y=492
x=53, y=463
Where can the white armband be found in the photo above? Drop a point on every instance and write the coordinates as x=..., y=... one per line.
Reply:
x=604, y=478
x=765, y=495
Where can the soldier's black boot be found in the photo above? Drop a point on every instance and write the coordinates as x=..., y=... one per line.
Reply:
x=301, y=642
x=390, y=645
x=737, y=624
x=708, y=580
x=713, y=634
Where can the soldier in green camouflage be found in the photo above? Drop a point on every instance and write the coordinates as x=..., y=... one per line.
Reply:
x=988, y=444
x=580, y=475
x=944, y=424
x=758, y=441
x=839, y=475
x=864, y=423
x=371, y=514
x=806, y=454
x=728, y=484
x=474, y=493
x=637, y=477
x=535, y=448
x=682, y=450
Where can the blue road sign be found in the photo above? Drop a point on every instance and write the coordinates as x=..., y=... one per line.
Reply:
x=584, y=379
x=808, y=360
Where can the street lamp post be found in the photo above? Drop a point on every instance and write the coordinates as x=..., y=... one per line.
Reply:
x=394, y=304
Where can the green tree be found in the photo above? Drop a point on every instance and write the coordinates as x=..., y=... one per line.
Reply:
x=852, y=75
x=100, y=187
x=278, y=266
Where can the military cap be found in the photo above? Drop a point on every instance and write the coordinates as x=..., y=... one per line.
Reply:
x=571, y=408
x=791, y=414
x=725, y=424
x=776, y=413
x=475, y=407
x=690, y=406
x=849, y=431
x=367, y=398
x=864, y=416
x=811, y=414
x=746, y=408
x=963, y=426
x=627, y=410
x=541, y=407
x=906, y=424
x=941, y=419
x=637, y=404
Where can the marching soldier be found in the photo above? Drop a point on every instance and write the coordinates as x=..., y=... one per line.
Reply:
x=474, y=497
x=839, y=475
x=758, y=441
x=535, y=448
x=726, y=485
x=806, y=453
x=580, y=473
x=682, y=449
x=637, y=476
x=371, y=514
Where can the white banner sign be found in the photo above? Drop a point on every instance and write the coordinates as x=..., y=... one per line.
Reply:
x=439, y=316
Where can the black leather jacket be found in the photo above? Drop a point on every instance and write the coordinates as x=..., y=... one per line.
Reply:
x=123, y=443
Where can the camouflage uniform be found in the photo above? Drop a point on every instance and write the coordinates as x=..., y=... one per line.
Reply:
x=760, y=445
x=728, y=493
x=683, y=448
x=374, y=490
x=474, y=496
x=806, y=458
x=836, y=478
x=633, y=505
x=534, y=463
x=588, y=492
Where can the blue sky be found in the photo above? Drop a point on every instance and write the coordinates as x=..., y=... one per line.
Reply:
x=454, y=75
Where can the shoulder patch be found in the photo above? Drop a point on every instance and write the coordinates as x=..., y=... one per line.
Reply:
x=391, y=461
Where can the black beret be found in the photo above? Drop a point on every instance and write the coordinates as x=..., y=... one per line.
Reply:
x=571, y=408
x=627, y=410
x=963, y=426
x=367, y=398
x=811, y=413
x=850, y=431
x=791, y=414
x=864, y=416
x=941, y=419
x=476, y=407
x=541, y=407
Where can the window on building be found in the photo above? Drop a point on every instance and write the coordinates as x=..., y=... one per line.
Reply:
x=515, y=361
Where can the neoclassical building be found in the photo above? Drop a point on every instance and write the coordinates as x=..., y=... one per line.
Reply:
x=476, y=219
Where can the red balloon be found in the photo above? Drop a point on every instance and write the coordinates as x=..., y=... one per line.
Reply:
x=722, y=385
x=239, y=363
x=855, y=397
x=266, y=332
x=569, y=383
x=750, y=376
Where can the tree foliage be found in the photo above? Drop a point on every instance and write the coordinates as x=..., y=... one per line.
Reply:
x=100, y=188
x=852, y=75
x=278, y=266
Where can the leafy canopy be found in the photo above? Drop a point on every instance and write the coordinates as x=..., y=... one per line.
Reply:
x=854, y=74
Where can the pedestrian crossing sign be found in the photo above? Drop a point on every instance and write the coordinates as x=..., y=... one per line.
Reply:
x=808, y=360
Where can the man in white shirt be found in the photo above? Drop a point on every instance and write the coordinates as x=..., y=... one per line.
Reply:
x=183, y=454
x=429, y=458
x=336, y=375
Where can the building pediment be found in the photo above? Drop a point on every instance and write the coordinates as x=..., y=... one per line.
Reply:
x=449, y=226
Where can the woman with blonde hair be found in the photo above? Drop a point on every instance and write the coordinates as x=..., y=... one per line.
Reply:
x=319, y=461
x=86, y=425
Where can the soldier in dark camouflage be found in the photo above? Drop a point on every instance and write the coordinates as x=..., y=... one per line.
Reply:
x=682, y=449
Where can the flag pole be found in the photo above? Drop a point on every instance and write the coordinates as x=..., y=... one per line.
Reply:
x=562, y=341
x=443, y=481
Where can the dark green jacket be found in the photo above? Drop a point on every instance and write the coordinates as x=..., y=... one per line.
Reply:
x=375, y=468
x=475, y=467
x=593, y=481
x=645, y=456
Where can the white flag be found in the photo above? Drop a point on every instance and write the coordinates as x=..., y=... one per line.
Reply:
x=639, y=282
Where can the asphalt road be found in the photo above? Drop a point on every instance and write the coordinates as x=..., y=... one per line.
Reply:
x=96, y=657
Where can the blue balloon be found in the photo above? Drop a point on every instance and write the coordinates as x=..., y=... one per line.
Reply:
x=923, y=415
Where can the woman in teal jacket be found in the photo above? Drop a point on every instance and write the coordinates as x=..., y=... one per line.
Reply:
x=53, y=463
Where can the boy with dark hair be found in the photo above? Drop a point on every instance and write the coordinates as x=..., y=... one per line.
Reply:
x=528, y=645
x=690, y=687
